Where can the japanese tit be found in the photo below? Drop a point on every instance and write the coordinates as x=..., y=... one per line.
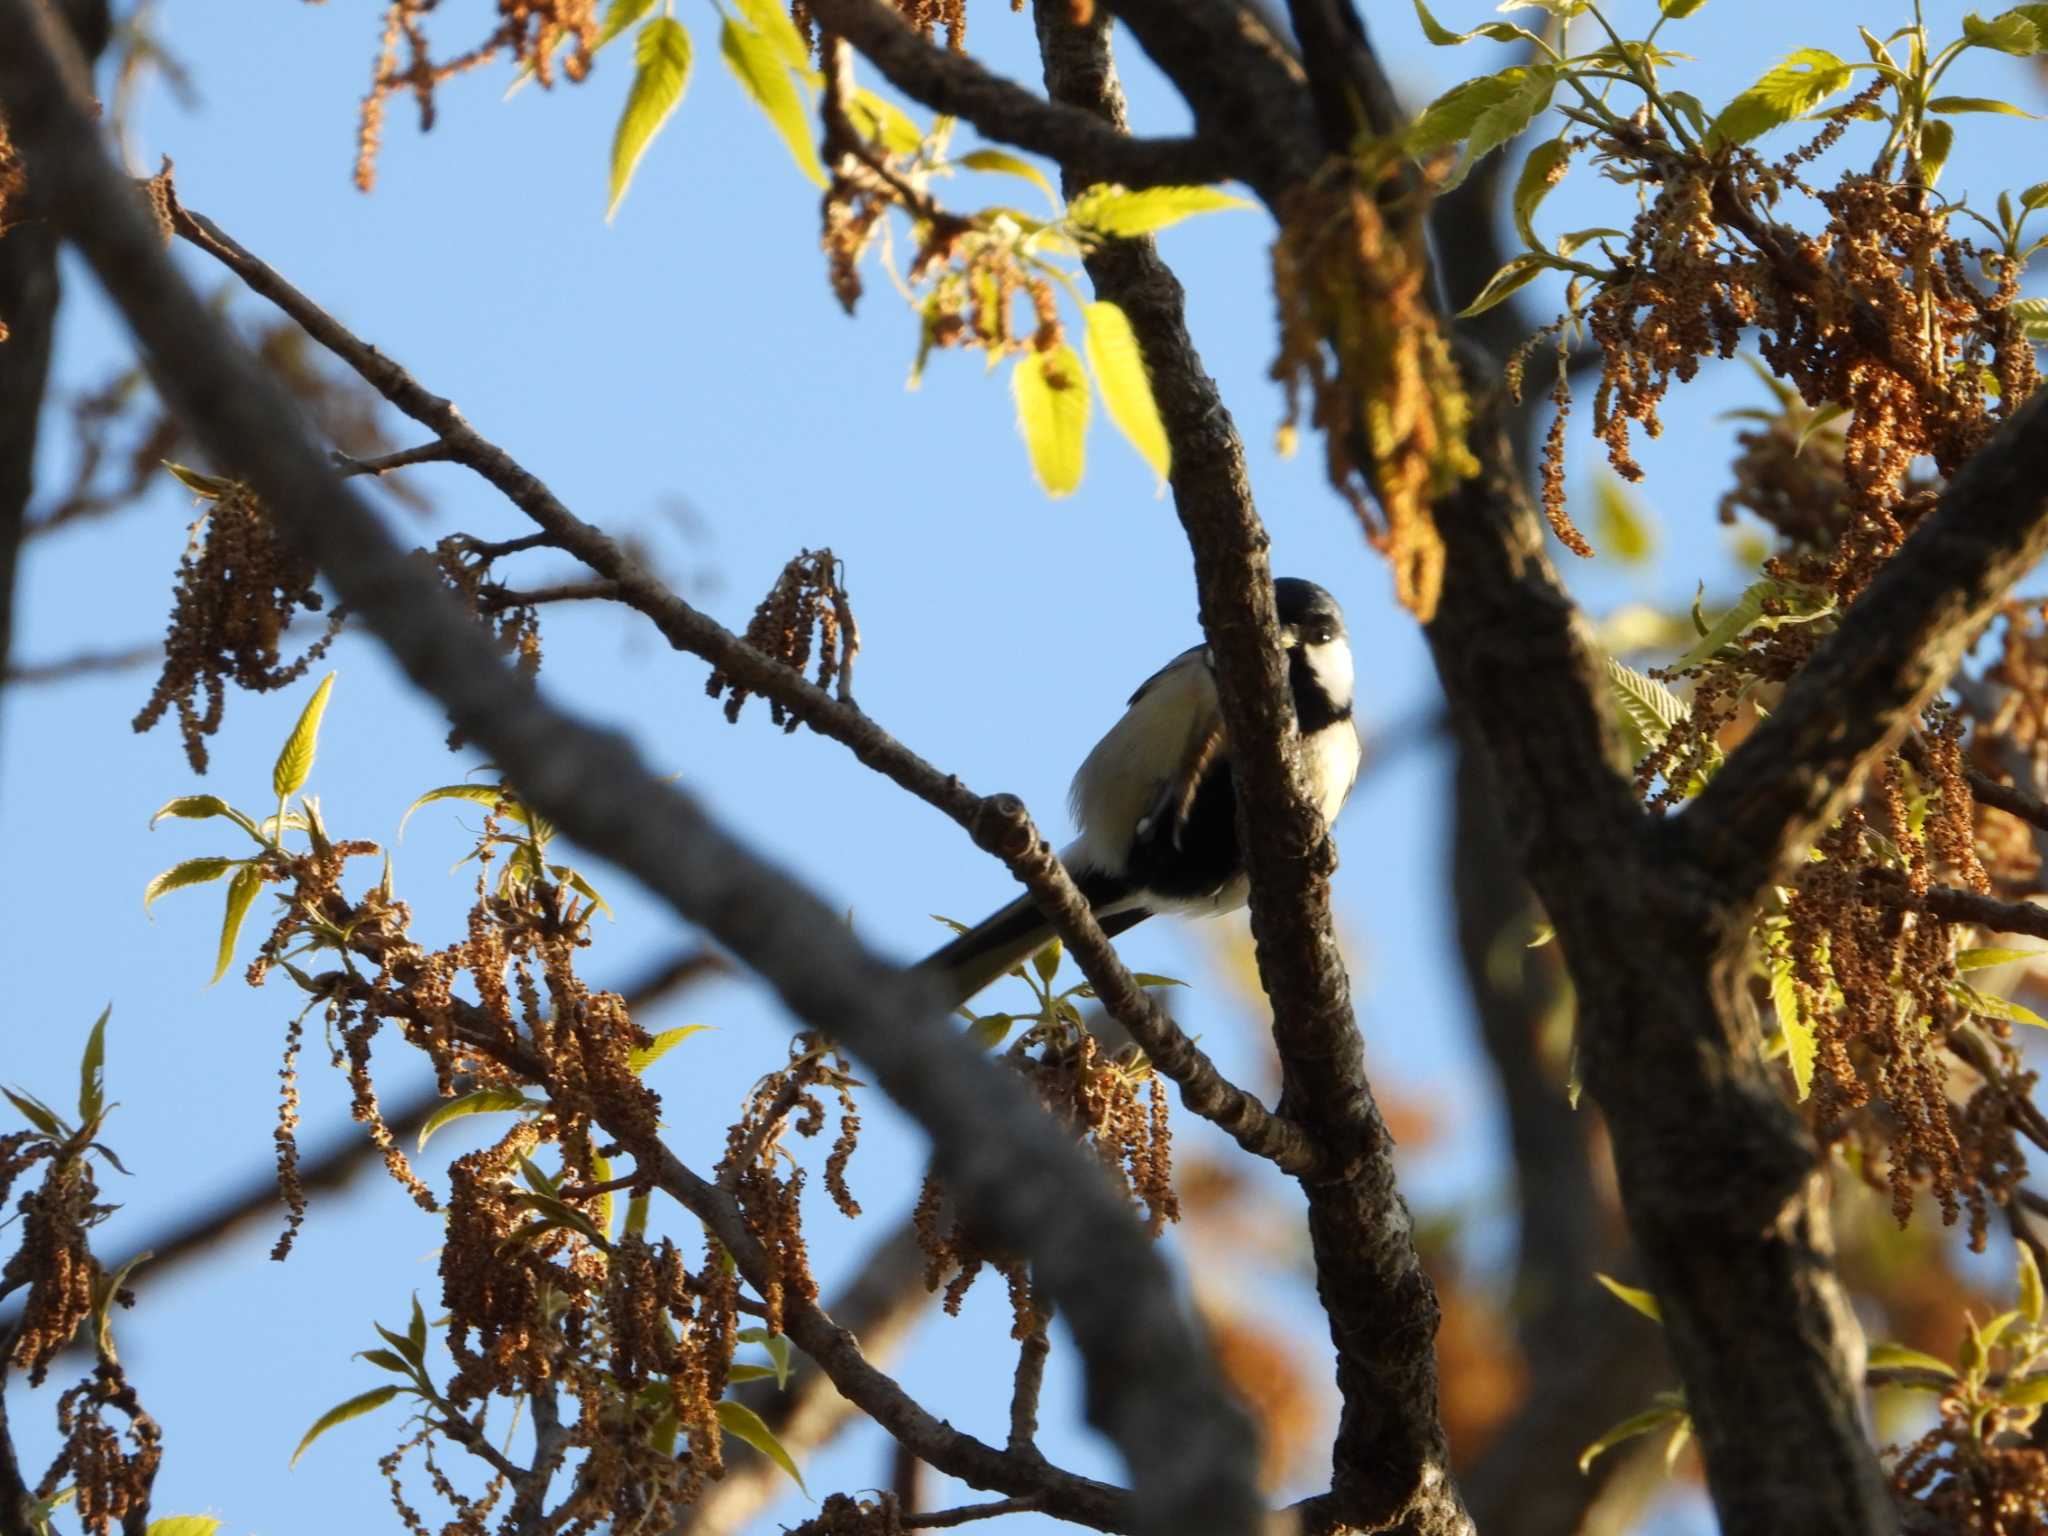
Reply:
x=1155, y=802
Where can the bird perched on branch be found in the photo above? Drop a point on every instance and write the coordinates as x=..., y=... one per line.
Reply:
x=1155, y=800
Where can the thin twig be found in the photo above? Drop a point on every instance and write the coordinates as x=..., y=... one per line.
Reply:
x=962, y=1514
x=1032, y=1350
x=436, y=452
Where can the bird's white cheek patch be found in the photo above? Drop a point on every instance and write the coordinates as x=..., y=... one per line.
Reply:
x=1336, y=752
x=1331, y=663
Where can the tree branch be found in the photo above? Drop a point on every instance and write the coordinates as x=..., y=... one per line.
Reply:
x=1150, y=1386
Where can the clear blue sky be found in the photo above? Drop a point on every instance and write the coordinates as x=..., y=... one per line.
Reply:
x=684, y=378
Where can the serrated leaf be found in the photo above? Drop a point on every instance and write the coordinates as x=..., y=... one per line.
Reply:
x=1647, y=1422
x=1010, y=165
x=1119, y=367
x=38, y=1114
x=1117, y=212
x=1505, y=119
x=2000, y=1007
x=295, y=760
x=341, y=1413
x=741, y=1421
x=770, y=18
x=662, y=1044
x=204, y=485
x=241, y=891
x=1903, y=1356
x=484, y=1101
x=92, y=1075
x=1936, y=140
x=201, y=807
x=1517, y=274
x=1621, y=527
x=661, y=73
x=1983, y=959
x=1806, y=78
x=2009, y=33
x=1648, y=706
x=1051, y=391
x=2032, y=315
x=191, y=872
x=758, y=67
x=184, y=1525
x=1641, y=1300
x=1456, y=115
x=1800, y=1046
x=1540, y=172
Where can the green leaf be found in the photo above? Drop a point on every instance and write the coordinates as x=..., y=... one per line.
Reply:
x=1505, y=119
x=1047, y=960
x=1153, y=979
x=199, y=808
x=1119, y=367
x=1826, y=416
x=1568, y=243
x=191, y=872
x=661, y=73
x=1012, y=165
x=580, y=886
x=1808, y=77
x=770, y=18
x=1900, y=1355
x=184, y=1525
x=1957, y=104
x=877, y=118
x=662, y=1044
x=2010, y=33
x=2029, y=1280
x=1540, y=172
x=1681, y=1437
x=1642, y=1301
x=403, y=1344
x=618, y=16
x=1456, y=115
x=484, y=1101
x=1114, y=211
x=1647, y=705
x=241, y=891
x=740, y=1420
x=341, y=1413
x=295, y=760
x=1678, y=10
x=1647, y=1422
x=204, y=485
x=92, y=1076
x=1936, y=140
x=496, y=796
x=778, y=1350
x=2000, y=1007
x=2026, y=1391
x=38, y=1114
x=990, y=1030
x=2032, y=315
x=756, y=64
x=1983, y=959
x=416, y=1329
x=1797, y=1028
x=600, y=1173
x=1517, y=274
x=1621, y=527
x=1051, y=391
x=386, y=1360
x=739, y=1371
x=1444, y=37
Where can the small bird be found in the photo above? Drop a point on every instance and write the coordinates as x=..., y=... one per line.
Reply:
x=1155, y=802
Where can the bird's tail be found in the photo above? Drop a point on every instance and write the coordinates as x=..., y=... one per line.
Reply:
x=997, y=943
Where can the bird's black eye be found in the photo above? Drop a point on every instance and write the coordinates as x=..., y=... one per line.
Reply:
x=1321, y=632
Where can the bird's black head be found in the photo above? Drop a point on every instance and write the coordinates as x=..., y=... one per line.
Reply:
x=1308, y=610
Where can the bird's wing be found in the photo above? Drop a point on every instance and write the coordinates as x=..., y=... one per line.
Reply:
x=1146, y=768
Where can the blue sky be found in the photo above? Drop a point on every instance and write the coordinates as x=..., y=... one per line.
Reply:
x=684, y=377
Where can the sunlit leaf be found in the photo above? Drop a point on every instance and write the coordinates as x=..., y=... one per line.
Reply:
x=1641, y=1300
x=1936, y=140
x=495, y=796
x=1540, y=172
x=1983, y=959
x=1444, y=37
x=2029, y=1281
x=201, y=807
x=758, y=66
x=1648, y=706
x=777, y=1346
x=741, y=1421
x=1978, y=104
x=205, y=485
x=2008, y=33
x=1517, y=274
x=184, y=1525
x=341, y=1413
x=661, y=73
x=1621, y=526
x=771, y=19
x=1647, y=1422
x=92, y=1074
x=1678, y=10
x=484, y=1101
x=662, y=1044
x=1119, y=368
x=1901, y=1356
x=1116, y=211
x=295, y=760
x=877, y=118
x=1010, y=165
x=1051, y=391
x=1808, y=77
x=191, y=872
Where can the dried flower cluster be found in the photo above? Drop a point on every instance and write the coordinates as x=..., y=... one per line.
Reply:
x=239, y=587
x=809, y=597
x=1359, y=339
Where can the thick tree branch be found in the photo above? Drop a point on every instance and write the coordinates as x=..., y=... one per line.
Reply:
x=1390, y=1462
x=1865, y=687
x=998, y=823
x=1150, y=1386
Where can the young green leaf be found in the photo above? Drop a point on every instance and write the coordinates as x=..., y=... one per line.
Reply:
x=770, y=18
x=241, y=891
x=1116, y=212
x=1621, y=527
x=416, y=1329
x=1808, y=77
x=618, y=16
x=1646, y=704
x=1051, y=391
x=661, y=73
x=295, y=760
x=1678, y=10
x=341, y=1413
x=191, y=872
x=778, y=1350
x=1457, y=114
x=1010, y=165
x=1936, y=140
x=38, y=1114
x=1641, y=1300
x=2032, y=315
x=2011, y=32
x=496, y=796
x=1505, y=119
x=1649, y=1421
x=2029, y=1284
x=877, y=118
x=184, y=1525
x=740, y=1420
x=484, y=1101
x=1444, y=37
x=1984, y=959
x=92, y=1075
x=1901, y=1355
x=199, y=808
x=1119, y=368
x=1543, y=170
x=1517, y=274
x=661, y=1045
x=759, y=68
x=1800, y=1045
x=2026, y=1391
x=204, y=485
x=1959, y=104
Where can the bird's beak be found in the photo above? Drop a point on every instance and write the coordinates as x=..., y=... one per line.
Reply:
x=1290, y=637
